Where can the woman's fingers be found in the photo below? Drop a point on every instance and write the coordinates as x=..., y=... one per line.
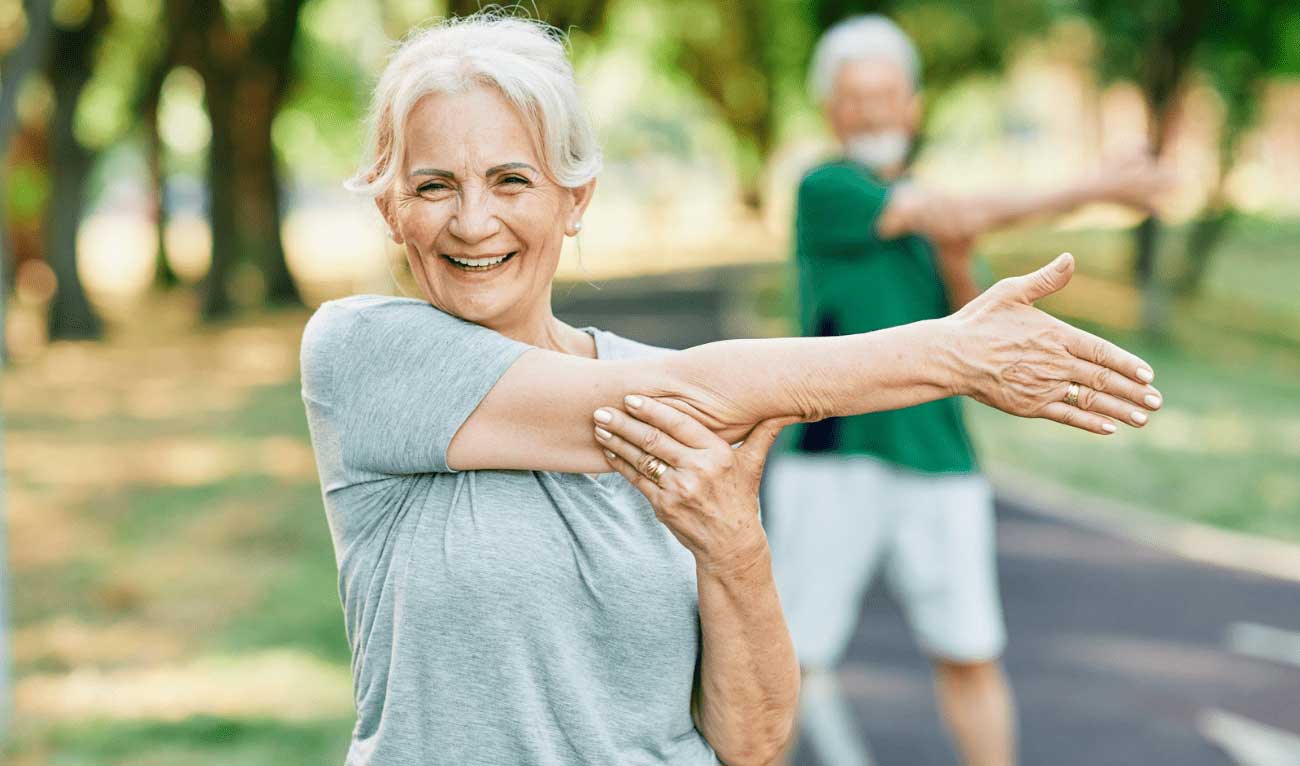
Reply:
x=760, y=439
x=1105, y=380
x=1089, y=347
x=1091, y=400
x=681, y=427
x=634, y=477
x=1081, y=419
x=644, y=438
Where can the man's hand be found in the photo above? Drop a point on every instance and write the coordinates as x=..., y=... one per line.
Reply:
x=1134, y=181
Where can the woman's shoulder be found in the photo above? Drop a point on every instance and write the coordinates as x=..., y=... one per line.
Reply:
x=368, y=304
x=338, y=316
x=362, y=323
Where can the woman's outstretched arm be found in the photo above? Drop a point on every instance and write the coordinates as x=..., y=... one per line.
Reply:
x=998, y=349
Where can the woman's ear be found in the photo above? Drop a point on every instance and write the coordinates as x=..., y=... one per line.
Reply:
x=385, y=209
x=581, y=198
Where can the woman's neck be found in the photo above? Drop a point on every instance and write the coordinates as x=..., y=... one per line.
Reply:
x=543, y=330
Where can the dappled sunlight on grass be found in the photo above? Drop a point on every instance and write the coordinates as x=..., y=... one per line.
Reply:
x=279, y=684
x=169, y=461
x=169, y=556
x=68, y=642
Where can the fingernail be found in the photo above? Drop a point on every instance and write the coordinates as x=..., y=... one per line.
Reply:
x=602, y=433
x=1152, y=400
x=632, y=400
x=1145, y=375
x=1062, y=261
x=603, y=416
x=1108, y=427
x=609, y=454
x=1138, y=417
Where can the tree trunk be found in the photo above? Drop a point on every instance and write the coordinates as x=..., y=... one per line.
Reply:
x=1166, y=64
x=71, y=315
x=259, y=197
x=164, y=276
x=222, y=213
x=1202, y=243
x=265, y=83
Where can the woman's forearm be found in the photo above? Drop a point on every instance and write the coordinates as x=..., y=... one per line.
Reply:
x=730, y=385
x=749, y=676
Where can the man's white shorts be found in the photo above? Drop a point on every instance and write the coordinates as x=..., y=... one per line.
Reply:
x=834, y=520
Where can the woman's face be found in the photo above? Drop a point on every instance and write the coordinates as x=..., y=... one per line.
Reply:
x=481, y=223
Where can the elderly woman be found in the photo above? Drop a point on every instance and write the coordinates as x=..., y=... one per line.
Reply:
x=549, y=552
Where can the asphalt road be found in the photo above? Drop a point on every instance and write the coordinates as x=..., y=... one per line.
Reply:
x=1116, y=653
x=1119, y=654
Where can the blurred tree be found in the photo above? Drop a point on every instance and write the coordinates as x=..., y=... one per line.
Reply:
x=1153, y=44
x=587, y=15
x=69, y=69
x=1250, y=42
x=244, y=60
x=726, y=48
x=145, y=107
x=1160, y=44
x=16, y=64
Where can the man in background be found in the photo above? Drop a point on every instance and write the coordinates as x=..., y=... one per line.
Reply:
x=897, y=491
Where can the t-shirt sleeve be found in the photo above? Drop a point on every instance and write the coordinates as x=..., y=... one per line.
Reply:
x=399, y=379
x=836, y=212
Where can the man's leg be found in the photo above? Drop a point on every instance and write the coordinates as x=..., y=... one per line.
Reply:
x=824, y=540
x=944, y=572
x=978, y=708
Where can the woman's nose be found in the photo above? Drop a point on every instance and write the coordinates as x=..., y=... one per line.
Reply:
x=475, y=219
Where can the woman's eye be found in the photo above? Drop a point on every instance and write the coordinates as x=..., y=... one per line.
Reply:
x=432, y=187
x=515, y=180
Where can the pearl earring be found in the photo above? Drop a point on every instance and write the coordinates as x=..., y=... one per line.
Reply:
x=577, y=226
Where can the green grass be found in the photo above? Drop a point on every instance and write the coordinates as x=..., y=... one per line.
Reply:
x=196, y=741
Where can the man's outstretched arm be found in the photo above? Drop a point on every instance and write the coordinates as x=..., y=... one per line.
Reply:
x=946, y=218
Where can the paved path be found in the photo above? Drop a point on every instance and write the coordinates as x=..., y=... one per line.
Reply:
x=1119, y=655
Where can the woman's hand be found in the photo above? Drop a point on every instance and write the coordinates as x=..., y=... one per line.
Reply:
x=707, y=494
x=1011, y=356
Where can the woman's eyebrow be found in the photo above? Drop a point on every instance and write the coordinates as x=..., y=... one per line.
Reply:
x=508, y=166
x=434, y=172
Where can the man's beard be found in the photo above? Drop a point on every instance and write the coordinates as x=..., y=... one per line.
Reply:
x=878, y=151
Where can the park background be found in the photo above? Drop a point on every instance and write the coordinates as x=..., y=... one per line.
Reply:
x=172, y=209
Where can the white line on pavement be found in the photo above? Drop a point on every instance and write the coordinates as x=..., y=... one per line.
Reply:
x=1247, y=742
x=1264, y=642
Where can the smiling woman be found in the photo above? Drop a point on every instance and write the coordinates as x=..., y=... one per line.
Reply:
x=476, y=203
x=549, y=552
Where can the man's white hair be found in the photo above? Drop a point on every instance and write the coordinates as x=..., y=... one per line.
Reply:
x=525, y=60
x=860, y=37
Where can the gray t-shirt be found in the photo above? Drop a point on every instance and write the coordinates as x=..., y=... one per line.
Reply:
x=508, y=618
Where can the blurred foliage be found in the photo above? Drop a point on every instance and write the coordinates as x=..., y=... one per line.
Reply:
x=258, y=103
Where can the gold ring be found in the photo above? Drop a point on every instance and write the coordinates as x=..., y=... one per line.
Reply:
x=1072, y=395
x=655, y=469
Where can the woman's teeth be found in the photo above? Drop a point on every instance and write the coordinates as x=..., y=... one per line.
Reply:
x=480, y=264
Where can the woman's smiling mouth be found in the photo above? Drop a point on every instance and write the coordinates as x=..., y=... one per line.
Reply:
x=478, y=264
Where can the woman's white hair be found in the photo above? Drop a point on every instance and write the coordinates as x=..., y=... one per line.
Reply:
x=860, y=37
x=526, y=60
